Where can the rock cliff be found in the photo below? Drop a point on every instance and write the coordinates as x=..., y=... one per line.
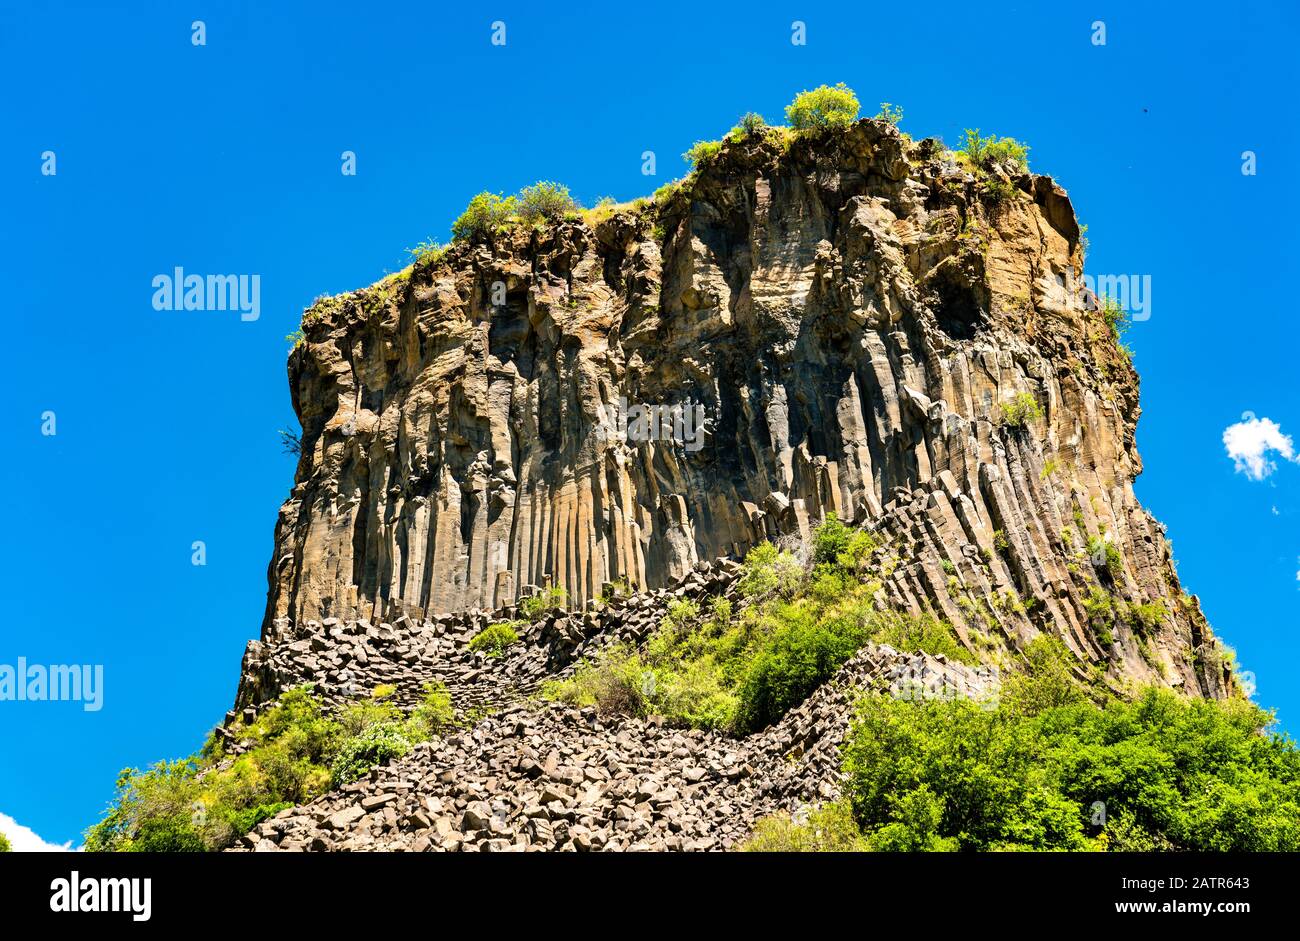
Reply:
x=850, y=310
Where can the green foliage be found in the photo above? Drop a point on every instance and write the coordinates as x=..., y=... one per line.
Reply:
x=1021, y=411
x=484, y=215
x=1117, y=319
x=543, y=202
x=294, y=753
x=1100, y=608
x=295, y=338
x=750, y=123
x=548, y=599
x=1144, y=618
x=494, y=639
x=4, y=844
x=713, y=670
x=701, y=152
x=769, y=571
x=824, y=106
x=374, y=745
x=432, y=715
x=891, y=113
x=428, y=252
x=613, y=682
x=828, y=829
x=1171, y=772
x=840, y=545
x=982, y=151
x=1105, y=556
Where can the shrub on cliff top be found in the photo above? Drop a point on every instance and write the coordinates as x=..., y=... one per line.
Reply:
x=824, y=106
x=985, y=150
x=484, y=215
x=543, y=202
x=4, y=844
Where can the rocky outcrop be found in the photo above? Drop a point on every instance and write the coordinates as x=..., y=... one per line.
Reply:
x=850, y=310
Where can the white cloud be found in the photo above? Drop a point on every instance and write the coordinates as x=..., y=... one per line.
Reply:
x=1251, y=441
x=24, y=839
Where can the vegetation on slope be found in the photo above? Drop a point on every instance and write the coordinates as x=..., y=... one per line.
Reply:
x=294, y=752
x=1050, y=768
x=741, y=671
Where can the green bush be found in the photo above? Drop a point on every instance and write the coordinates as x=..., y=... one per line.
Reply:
x=548, y=599
x=768, y=571
x=613, y=682
x=701, y=152
x=484, y=215
x=1105, y=556
x=1169, y=771
x=824, y=106
x=543, y=202
x=359, y=753
x=749, y=124
x=1116, y=318
x=494, y=639
x=294, y=754
x=828, y=829
x=428, y=252
x=800, y=652
x=891, y=113
x=4, y=844
x=1144, y=618
x=982, y=151
x=1021, y=411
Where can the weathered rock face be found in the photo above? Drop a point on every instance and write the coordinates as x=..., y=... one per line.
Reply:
x=851, y=313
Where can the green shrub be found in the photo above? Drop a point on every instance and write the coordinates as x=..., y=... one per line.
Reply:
x=1171, y=772
x=1021, y=411
x=1146, y=617
x=613, y=682
x=891, y=113
x=4, y=844
x=828, y=829
x=294, y=753
x=750, y=123
x=484, y=215
x=428, y=252
x=981, y=151
x=1116, y=318
x=543, y=202
x=824, y=106
x=359, y=753
x=432, y=715
x=494, y=639
x=1100, y=608
x=701, y=152
x=768, y=571
x=1105, y=556
x=548, y=599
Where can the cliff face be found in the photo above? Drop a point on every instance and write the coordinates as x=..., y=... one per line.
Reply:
x=851, y=312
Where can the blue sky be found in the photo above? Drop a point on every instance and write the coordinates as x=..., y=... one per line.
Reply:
x=226, y=158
